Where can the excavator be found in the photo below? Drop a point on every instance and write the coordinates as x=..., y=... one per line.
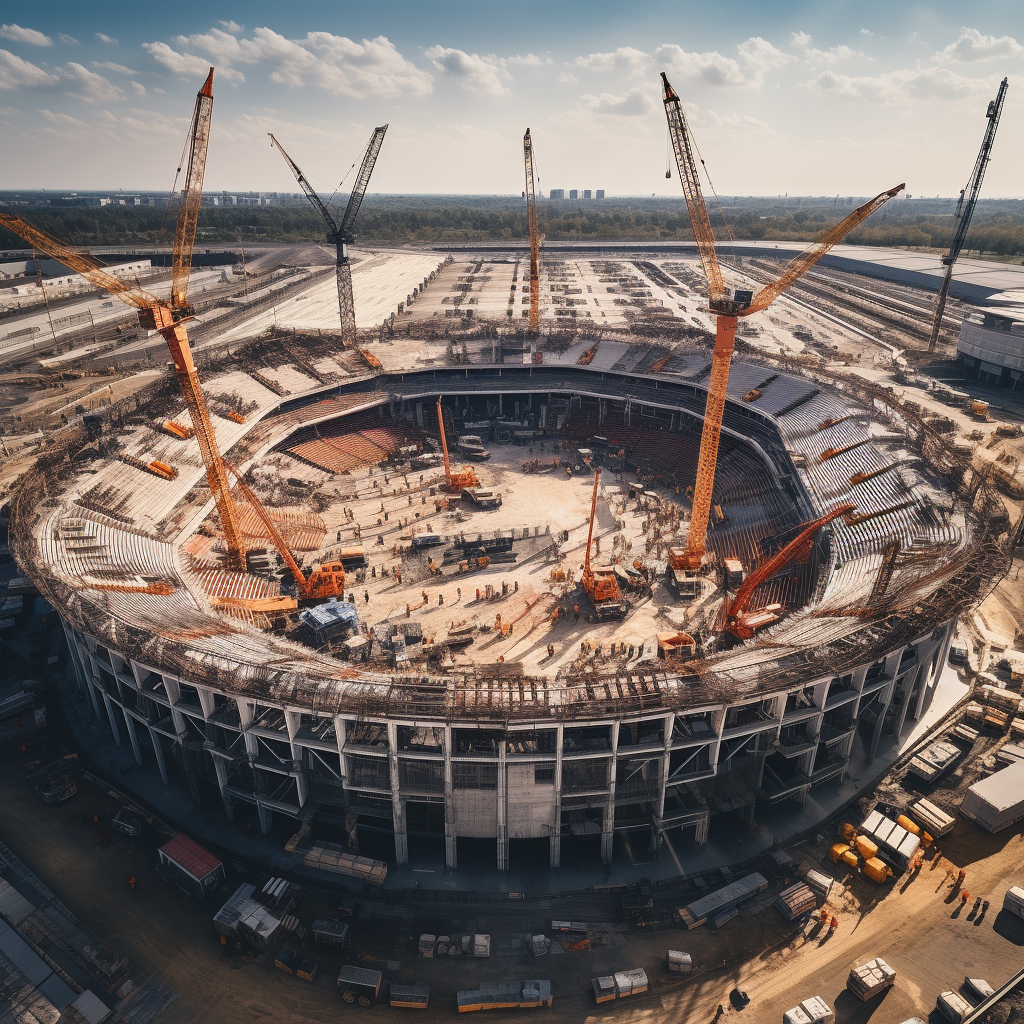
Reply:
x=168, y=317
x=454, y=481
x=599, y=582
x=729, y=305
x=743, y=624
x=323, y=582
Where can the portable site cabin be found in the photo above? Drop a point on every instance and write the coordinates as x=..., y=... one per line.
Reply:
x=192, y=869
x=1013, y=901
x=413, y=996
x=997, y=802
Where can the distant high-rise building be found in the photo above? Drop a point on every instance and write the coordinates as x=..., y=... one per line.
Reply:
x=574, y=193
x=586, y=193
x=600, y=193
x=557, y=193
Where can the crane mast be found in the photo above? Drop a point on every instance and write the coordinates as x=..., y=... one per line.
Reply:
x=531, y=214
x=454, y=481
x=341, y=234
x=965, y=208
x=728, y=307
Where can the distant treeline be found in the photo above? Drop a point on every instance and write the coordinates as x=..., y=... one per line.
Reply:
x=997, y=228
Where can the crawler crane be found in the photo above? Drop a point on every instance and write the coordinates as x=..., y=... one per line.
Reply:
x=599, y=582
x=168, y=318
x=531, y=214
x=454, y=480
x=341, y=234
x=729, y=305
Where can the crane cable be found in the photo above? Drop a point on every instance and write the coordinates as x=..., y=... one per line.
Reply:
x=728, y=230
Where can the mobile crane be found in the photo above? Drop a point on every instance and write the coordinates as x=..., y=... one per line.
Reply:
x=965, y=208
x=599, y=583
x=168, y=318
x=341, y=234
x=323, y=581
x=729, y=305
x=531, y=214
x=454, y=480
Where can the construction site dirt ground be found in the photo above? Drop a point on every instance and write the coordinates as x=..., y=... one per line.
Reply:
x=919, y=926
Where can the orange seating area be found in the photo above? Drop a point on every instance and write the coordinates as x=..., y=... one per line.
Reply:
x=349, y=443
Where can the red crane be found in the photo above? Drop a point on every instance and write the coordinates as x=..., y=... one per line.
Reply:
x=737, y=621
x=600, y=585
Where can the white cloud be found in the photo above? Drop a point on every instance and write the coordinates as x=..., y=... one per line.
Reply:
x=477, y=73
x=89, y=86
x=109, y=65
x=140, y=89
x=566, y=78
x=635, y=103
x=972, y=45
x=526, y=59
x=9, y=111
x=16, y=72
x=756, y=58
x=104, y=38
x=866, y=32
x=624, y=60
x=231, y=26
x=62, y=119
x=333, y=63
x=901, y=86
x=17, y=34
x=802, y=41
x=67, y=40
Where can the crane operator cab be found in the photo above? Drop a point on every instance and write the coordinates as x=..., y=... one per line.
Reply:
x=737, y=300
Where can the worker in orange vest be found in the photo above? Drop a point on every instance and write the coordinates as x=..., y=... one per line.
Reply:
x=824, y=915
x=833, y=924
x=131, y=881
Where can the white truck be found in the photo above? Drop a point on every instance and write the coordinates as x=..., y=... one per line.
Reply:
x=811, y=1011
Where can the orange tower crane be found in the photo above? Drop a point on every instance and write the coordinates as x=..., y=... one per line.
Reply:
x=341, y=234
x=531, y=215
x=454, y=481
x=323, y=582
x=744, y=625
x=729, y=305
x=600, y=584
x=168, y=317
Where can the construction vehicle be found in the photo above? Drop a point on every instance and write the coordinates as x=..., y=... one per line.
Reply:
x=454, y=482
x=341, y=234
x=289, y=961
x=743, y=624
x=530, y=195
x=482, y=497
x=360, y=985
x=168, y=318
x=979, y=410
x=729, y=305
x=599, y=583
x=472, y=564
x=472, y=447
x=323, y=581
x=965, y=208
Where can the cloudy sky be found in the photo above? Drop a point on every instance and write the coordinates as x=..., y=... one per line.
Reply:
x=810, y=98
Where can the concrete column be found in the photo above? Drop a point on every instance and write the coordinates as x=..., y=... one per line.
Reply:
x=76, y=656
x=292, y=720
x=158, y=752
x=109, y=705
x=451, y=846
x=129, y=723
x=555, y=841
x=608, y=826
x=876, y=735
x=265, y=817
x=93, y=687
x=397, y=803
x=222, y=781
x=502, y=810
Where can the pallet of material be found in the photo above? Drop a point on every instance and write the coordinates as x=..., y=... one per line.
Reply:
x=679, y=962
x=811, y=1011
x=328, y=857
x=569, y=926
x=505, y=995
x=869, y=979
x=820, y=883
x=721, y=900
x=609, y=987
x=796, y=901
x=934, y=820
x=426, y=945
x=966, y=732
x=934, y=761
x=998, y=697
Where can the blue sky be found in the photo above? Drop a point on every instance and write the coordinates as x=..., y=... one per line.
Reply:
x=817, y=98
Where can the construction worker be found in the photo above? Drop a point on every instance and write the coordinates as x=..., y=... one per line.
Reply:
x=131, y=881
x=576, y=613
x=961, y=875
x=824, y=915
x=833, y=924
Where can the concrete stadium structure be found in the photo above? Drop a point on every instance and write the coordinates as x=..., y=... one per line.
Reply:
x=991, y=346
x=507, y=753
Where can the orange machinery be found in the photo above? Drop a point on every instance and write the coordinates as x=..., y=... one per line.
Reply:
x=454, y=481
x=168, y=318
x=600, y=583
x=743, y=624
x=729, y=305
x=531, y=215
x=323, y=582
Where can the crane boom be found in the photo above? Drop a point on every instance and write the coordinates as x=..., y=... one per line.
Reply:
x=341, y=234
x=767, y=569
x=191, y=196
x=727, y=310
x=965, y=208
x=688, y=175
x=531, y=215
x=587, y=571
x=444, y=443
x=306, y=187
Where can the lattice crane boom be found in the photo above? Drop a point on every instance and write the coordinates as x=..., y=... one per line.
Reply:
x=727, y=309
x=168, y=317
x=341, y=234
x=965, y=208
x=531, y=215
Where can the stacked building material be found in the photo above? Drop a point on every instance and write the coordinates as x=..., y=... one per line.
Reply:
x=797, y=900
x=871, y=978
